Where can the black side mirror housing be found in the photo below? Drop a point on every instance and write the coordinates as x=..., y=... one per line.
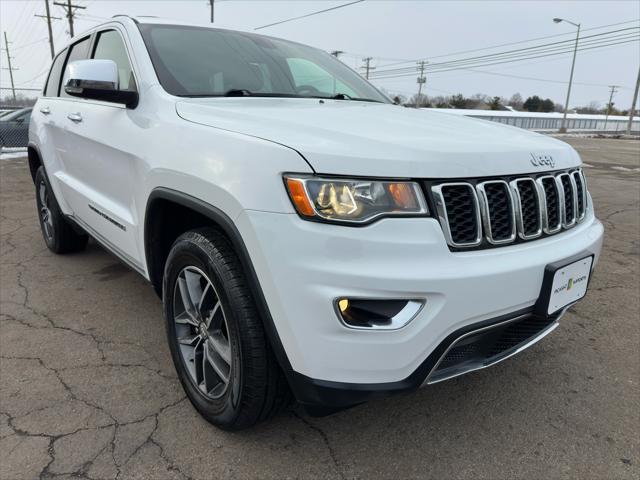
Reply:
x=97, y=91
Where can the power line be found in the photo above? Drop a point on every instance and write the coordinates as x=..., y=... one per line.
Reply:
x=309, y=14
x=42, y=72
x=542, y=48
x=35, y=42
x=471, y=71
x=536, y=54
x=521, y=77
x=512, y=43
x=380, y=75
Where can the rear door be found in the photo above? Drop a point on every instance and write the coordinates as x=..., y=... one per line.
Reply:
x=46, y=119
x=101, y=172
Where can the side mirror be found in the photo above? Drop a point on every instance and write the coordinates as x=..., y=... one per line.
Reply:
x=98, y=80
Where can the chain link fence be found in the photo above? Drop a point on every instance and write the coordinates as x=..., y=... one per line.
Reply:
x=15, y=114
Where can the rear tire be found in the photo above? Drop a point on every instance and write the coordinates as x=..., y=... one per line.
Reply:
x=58, y=233
x=216, y=336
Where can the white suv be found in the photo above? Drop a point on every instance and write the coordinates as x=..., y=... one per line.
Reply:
x=306, y=236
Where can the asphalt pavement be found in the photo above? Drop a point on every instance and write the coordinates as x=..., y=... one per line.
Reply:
x=88, y=390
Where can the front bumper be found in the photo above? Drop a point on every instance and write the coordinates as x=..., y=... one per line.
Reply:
x=303, y=267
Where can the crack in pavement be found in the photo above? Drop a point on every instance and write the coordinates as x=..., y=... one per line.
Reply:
x=325, y=439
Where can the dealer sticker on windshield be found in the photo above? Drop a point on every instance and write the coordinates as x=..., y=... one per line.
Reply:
x=569, y=284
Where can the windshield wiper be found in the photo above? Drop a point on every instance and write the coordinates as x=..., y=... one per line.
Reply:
x=238, y=92
x=345, y=96
x=243, y=92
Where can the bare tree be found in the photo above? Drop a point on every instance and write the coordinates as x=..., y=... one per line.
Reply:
x=592, y=108
x=516, y=101
x=420, y=101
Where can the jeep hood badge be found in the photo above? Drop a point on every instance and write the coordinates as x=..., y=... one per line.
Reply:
x=542, y=160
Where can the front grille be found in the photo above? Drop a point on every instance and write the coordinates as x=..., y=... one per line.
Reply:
x=489, y=212
x=489, y=345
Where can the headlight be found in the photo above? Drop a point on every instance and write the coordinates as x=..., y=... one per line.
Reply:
x=354, y=201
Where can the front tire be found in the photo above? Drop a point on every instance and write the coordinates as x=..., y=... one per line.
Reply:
x=58, y=234
x=216, y=336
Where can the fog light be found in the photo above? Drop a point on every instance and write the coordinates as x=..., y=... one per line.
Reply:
x=343, y=304
x=377, y=314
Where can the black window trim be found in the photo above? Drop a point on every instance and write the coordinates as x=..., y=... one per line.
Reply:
x=66, y=60
x=65, y=52
x=94, y=44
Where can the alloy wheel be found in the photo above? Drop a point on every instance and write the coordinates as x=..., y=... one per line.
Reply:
x=45, y=211
x=202, y=332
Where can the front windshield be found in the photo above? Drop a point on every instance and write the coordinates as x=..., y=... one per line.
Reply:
x=206, y=62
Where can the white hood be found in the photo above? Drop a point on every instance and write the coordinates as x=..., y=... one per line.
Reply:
x=371, y=139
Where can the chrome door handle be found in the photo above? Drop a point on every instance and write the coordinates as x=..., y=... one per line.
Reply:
x=45, y=110
x=75, y=117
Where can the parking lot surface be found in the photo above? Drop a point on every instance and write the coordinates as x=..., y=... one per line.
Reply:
x=87, y=388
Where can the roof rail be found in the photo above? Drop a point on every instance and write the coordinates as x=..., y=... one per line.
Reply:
x=124, y=15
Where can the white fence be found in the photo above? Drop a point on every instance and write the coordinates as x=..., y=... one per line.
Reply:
x=576, y=122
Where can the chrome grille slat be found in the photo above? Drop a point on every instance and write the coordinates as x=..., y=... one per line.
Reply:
x=446, y=212
x=494, y=212
x=581, y=194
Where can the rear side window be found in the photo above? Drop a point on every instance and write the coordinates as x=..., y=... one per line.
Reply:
x=109, y=46
x=51, y=90
x=79, y=51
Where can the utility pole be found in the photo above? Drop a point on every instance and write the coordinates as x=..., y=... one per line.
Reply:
x=613, y=91
x=421, y=81
x=49, y=18
x=211, y=5
x=6, y=44
x=633, y=104
x=69, y=9
x=367, y=66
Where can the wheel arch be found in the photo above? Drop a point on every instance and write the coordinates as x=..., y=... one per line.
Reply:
x=35, y=160
x=157, y=243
